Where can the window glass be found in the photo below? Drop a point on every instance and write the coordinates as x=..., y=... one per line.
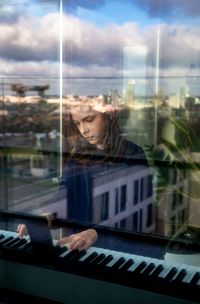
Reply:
x=104, y=206
x=123, y=198
x=29, y=104
x=99, y=113
x=135, y=221
x=136, y=192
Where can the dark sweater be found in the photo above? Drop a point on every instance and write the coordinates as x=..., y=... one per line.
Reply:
x=79, y=171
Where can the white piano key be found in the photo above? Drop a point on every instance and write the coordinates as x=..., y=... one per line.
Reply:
x=6, y=233
x=190, y=270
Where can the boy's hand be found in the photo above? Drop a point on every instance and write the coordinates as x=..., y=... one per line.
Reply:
x=81, y=241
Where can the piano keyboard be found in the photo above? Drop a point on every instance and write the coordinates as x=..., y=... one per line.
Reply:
x=109, y=260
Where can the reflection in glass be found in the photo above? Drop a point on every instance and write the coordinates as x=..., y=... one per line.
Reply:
x=144, y=64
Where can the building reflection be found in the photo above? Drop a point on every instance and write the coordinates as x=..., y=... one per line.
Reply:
x=121, y=197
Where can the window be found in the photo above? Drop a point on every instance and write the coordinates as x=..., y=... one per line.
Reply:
x=142, y=189
x=149, y=215
x=104, y=206
x=135, y=221
x=120, y=199
x=38, y=163
x=123, y=223
x=141, y=220
x=116, y=200
x=116, y=225
x=149, y=186
x=155, y=92
x=136, y=192
x=123, y=198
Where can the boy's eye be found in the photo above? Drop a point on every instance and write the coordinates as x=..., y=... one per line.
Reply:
x=89, y=118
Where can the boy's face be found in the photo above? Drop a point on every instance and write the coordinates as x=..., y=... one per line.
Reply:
x=92, y=125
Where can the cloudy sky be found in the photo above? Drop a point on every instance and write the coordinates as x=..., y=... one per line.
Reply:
x=101, y=38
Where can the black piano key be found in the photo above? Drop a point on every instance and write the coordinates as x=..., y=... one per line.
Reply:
x=127, y=265
x=11, y=242
x=106, y=260
x=157, y=271
x=195, y=278
x=98, y=259
x=118, y=263
x=19, y=243
x=79, y=255
x=4, y=238
x=59, y=250
x=91, y=257
x=26, y=247
x=171, y=273
x=180, y=276
x=72, y=253
x=1, y=236
x=148, y=269
x=7, y=239
x=140, y=267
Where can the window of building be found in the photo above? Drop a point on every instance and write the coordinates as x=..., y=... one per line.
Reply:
x=123, y=223
x=136, y=192
x=135, y=221
x=38, y=163
x=142, y=189
x=149, y=185
x=104, y=206
x=123, y=198
x=149, y=215
x=116, y=225
x=141, y=220
x=116, y=200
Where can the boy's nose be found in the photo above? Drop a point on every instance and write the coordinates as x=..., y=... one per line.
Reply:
x=84, y=129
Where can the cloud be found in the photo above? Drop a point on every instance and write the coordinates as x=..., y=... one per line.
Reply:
x=31, y=47
x=179, y=45
x=10, y=11
x=87, y=44
x=31, y=69
x=160, y=8
x=31, y=38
